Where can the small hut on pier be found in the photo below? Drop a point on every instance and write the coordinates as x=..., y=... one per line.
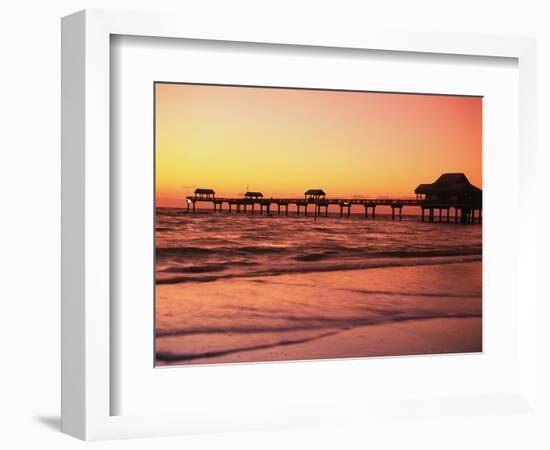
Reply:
x=450, y=189
x=204, y=194
x=253, y=195
x=314, y=195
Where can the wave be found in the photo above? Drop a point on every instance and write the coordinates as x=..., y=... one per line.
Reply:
x=206, y=268
x=461, y=251
x=337, y=266
x=177, y=251
x=312, y=257
x=382, y=292
x=312, y=323
x=190, y=250
x=174, y=357
x=305, y=253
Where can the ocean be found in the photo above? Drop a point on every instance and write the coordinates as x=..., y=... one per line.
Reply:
x=251, y=288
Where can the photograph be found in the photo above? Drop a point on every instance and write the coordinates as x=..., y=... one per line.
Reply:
x=297, y=224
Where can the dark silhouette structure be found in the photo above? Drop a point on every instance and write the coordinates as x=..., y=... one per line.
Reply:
x=314, y=195
x=250, y=198
x=204, y=194
x=449, y=191
x=253, y=195
x=450, y=187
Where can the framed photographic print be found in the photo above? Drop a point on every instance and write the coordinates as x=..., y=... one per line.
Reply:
x=266, y=228
x=270, y=267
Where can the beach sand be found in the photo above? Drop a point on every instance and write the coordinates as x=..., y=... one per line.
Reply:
x=389, y=311
x=412, y=337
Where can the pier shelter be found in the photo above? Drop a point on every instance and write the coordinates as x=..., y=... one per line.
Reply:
x=204, y=194
x=314, y=195
x=253, y=195
x=450, y=190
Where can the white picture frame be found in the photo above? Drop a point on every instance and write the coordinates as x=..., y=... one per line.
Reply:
x=86, y=220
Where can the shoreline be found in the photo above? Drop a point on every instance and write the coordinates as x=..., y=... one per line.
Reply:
x=383, y=311
x=415, y=337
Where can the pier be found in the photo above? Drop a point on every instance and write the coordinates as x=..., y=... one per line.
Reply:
x=450, y=192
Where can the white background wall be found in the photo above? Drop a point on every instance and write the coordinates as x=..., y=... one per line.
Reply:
x=30, y=187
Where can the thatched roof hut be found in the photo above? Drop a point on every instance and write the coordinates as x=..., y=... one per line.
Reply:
x=450, y=187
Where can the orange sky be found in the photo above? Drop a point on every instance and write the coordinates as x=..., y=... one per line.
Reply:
x=284, y=141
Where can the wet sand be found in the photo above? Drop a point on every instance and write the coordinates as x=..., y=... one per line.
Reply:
x=411, y=337
x=388, y=311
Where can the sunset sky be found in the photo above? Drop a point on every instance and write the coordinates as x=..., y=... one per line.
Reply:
x=284, y=141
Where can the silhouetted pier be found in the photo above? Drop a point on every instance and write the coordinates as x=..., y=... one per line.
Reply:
x=450, y=192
